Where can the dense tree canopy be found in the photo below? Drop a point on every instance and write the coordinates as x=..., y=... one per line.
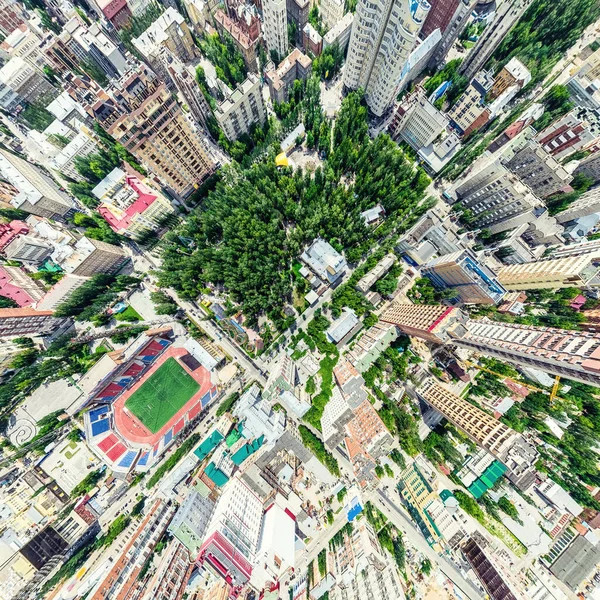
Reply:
x=258, y=219
x=545, y=32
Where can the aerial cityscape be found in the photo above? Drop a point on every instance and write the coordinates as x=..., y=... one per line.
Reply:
x=299, y=300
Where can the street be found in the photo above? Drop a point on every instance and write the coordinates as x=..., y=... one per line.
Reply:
x=400, y=520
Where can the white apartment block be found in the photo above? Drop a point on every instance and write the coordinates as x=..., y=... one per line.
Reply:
x=383, y=35
x=24, y=42
x=331, y=12
x=585, y=205
x=26, y=81
x=241, y=108
x=275, y=26
x=38, y=193
x=83, y=144
x=417, y=121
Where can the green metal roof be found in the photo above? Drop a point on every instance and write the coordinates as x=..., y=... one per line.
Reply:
x=234, y=436
x=208, y=445
x=478, y=488
x=247, y=450
x=445, y=494
x=216, y=475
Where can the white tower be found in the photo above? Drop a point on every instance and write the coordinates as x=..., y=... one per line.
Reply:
x=383, y=35
x=275, y=26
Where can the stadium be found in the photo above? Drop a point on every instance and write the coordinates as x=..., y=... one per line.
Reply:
x=150, y=392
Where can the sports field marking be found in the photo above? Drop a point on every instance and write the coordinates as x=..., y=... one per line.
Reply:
x=162, y=395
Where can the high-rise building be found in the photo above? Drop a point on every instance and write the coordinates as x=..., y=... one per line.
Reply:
x=383, y=35
x=572, y=354
x=28, y=321
x=569, y=271
x=241, y=108
x=494, y=197
x=331, y=12
x=275, y=26
x=38, y=194
x=508, y=446
x=507, y=15
x=417, y=121
x=232, y=538
x=171, y=31
x=453, y=29
x=590, y=167
x=131, y=207
x=141, y=114
x=471, y=111
x=460, y=271
x=539, y=170
x=439, y=16
x=297, y=14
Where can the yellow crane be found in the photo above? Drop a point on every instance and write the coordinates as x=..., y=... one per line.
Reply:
x=553, y=393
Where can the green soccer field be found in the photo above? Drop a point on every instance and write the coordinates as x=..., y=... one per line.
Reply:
x=162, y=395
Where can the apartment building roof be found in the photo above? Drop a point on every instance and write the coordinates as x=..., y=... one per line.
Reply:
x=286, y=65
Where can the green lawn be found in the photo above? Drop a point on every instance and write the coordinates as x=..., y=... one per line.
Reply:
x=129, y=314
x=162, y=395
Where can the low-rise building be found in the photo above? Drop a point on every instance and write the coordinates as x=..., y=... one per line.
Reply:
x=131, y=207
x=367, y=281
x=371, y=345
x=241, y=108
x=16, y=285
x=27, y=81
x=82, y=145
x=25, y=42
x=344, y=328
x=470, y=111
x=312, y=40
x=115, y=11
x=340, y=33
x=38, y=194
x=28, y=249
x=89, y=257
x=513, y=73
x=325, y=262
x=332, y=12
x=245, y=39
x=295, y=66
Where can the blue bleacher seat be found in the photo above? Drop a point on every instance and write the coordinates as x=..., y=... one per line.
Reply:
x=128, y=459
x=96, y=413
x=168, y=436
x=144, y=459
x=100, y=427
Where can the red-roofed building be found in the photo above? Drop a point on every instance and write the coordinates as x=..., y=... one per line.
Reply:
x=9, y=231
x=16, y=285
x=116, y=11
x=129, y=206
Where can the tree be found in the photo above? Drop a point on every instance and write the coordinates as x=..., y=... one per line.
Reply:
x=7, y=302
x=426, y=567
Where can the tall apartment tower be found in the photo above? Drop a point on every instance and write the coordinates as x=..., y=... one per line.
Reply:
x=383, y=35
x=141, y=114
x=509, y=12
x=453, y=29
x=568, y=271
x=275, y=26
x=12, y=15
x=571, y=354
x=495, y=437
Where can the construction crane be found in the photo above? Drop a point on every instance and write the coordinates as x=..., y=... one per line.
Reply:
x=553, y=393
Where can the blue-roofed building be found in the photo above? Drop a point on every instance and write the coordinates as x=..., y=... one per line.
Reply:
x=460, y=271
